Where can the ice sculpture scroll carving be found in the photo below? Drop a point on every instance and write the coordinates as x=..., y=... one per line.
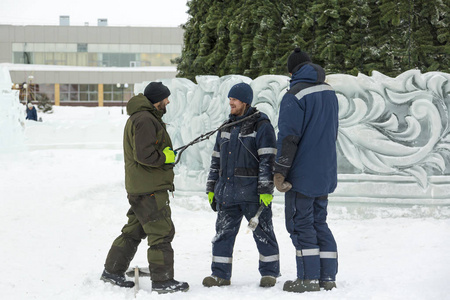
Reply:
x=393, y=143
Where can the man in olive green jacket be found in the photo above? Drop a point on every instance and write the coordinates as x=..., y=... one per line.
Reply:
x=149, y=176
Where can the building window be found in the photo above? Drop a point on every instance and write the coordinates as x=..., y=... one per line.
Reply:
x=78, y=92
x=82, y=47
x=45, y=91
x=112, y=93
x=101, y=55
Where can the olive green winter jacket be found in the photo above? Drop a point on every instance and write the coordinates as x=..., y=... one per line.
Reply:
x=144, y=139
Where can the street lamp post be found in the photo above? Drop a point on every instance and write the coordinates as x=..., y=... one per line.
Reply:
x=26, y=85
x=122, y=87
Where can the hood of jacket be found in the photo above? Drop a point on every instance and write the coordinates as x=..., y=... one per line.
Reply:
x=309, y=73
x=141, y=103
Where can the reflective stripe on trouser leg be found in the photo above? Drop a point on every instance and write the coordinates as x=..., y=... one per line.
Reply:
x=327, y=243
x=311, y=262
x=227, y=226
x=300, y=224
x=264, y=236
x=328, y=266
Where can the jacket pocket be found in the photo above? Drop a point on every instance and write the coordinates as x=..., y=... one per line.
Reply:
x=246, y=176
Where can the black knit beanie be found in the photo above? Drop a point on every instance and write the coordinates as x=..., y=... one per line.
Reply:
x=296, y=58
x=243, y=92
x=156, y=92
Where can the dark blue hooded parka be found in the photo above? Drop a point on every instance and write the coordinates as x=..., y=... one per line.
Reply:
x=308, y=124
x=306, y=157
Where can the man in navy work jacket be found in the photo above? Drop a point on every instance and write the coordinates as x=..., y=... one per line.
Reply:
x=306, y=170
x=240, y=180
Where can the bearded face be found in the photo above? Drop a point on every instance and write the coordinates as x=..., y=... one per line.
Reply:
x=161, y=105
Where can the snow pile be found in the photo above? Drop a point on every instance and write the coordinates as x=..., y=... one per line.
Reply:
x=12, y=116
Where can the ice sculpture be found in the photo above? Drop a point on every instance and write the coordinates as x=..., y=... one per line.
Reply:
x=12, y=116
x=393, y=142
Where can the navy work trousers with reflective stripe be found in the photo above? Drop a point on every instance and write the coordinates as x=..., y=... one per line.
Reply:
x=227, y=227
x=306, y=221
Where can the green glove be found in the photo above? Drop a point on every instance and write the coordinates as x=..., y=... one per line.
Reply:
x=212, y=201
x=170, y=155
x=265, y=198
x=210, y=197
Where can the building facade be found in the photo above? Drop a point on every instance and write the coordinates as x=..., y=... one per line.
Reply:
x=87, y=65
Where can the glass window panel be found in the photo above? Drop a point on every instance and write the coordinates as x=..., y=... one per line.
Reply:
x=71, y=59
x=82, y=47
x=107, y=96
x=117, y=96
x=73, y=96
x=18, y=58
x=64, y=96
x=74, y=88
x=84, y=96
x=49, y=47
x=93, y=88
x=60, y=58
x=37, y=47
x=82, y=59
x=107, y=87
x=64, y=88
x=124, y=48
x=84, y=87
x=93, y=96
x=93, y=60
x=49, y=58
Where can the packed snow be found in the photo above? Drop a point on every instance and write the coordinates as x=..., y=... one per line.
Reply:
x=64, y=202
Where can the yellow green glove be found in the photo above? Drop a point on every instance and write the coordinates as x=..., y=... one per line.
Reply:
x=212, y=201
x=170, y=155
x=265, y=198
x=210, y=197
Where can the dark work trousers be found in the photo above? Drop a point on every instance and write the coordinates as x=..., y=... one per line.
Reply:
x=306, y=221
x=149, y=216
x=227, y=227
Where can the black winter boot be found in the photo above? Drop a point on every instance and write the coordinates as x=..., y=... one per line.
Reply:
x=116, y=279
x=301, y=286
x=169, y=286
x=267, y=281
x=211, y=281
x=327, y=285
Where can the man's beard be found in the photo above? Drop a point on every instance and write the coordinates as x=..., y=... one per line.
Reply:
x=162, y=108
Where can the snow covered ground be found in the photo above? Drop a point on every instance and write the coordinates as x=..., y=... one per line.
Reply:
x=63, y=202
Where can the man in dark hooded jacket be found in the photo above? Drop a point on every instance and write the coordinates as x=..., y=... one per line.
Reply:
x=306, y=170
x=149, y=176
x=240, y=180
x=31, y=112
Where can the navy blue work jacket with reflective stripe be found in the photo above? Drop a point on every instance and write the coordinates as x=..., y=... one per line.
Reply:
x=308, y=124
x=242, y=160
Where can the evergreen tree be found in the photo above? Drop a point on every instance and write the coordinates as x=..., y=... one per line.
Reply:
x=44, y=103
x=255, y=37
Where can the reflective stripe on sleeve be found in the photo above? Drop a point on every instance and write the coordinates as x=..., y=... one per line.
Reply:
x=216, y=154
x=270, y=258
x=225, y=135
x=253, y=134
x=222, y=259
x=262, y=151
x=329, y=254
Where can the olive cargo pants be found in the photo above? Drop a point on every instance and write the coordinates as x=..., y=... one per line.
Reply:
x=149, y=216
